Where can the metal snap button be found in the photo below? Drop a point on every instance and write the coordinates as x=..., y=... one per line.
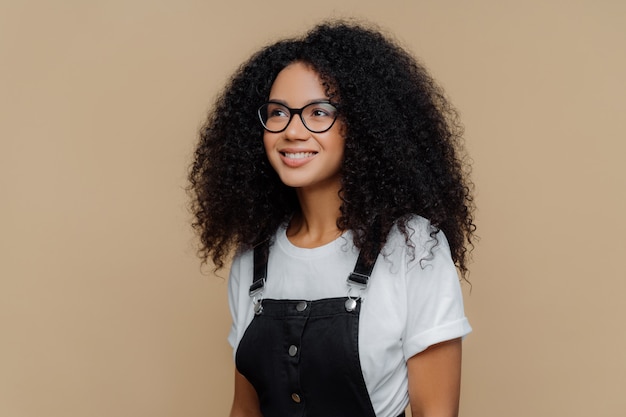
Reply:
x=296, y=398
x=293, y=350
x=301, y=306
x=258, y=308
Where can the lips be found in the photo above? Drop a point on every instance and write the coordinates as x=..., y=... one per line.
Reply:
x=295, y=159
x=298, y=155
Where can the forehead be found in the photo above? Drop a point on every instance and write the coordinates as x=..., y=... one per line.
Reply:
x=298, y=84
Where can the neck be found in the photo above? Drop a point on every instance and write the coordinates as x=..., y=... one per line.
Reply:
x=316, y=224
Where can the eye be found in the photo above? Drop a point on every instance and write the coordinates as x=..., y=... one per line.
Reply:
x=277, y=111
x=321, y=110
x=319, y=113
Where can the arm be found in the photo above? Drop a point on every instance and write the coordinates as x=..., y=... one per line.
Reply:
x=245, y=401
x=435, y=380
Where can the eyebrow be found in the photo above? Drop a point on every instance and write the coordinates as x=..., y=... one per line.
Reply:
x=284, y=102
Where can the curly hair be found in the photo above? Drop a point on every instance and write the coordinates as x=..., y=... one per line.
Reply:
x=403, y=148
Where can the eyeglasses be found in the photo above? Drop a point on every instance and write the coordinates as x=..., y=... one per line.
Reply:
x=317, y=117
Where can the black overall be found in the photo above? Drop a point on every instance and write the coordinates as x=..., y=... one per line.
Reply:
x=302, y=357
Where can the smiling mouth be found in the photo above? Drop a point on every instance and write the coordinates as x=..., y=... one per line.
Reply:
x=298, y=155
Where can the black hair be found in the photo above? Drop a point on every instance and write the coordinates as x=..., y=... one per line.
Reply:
x=403, y=148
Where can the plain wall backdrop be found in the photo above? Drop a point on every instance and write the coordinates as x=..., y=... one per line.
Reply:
x=104, y=308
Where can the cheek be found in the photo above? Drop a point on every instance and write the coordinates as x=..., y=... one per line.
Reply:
x=339, y=137
x=339, y=145
x=267, y=142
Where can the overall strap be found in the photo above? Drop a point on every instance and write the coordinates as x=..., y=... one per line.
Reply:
x=362, y=271
x=358, y=280
x=261, y=255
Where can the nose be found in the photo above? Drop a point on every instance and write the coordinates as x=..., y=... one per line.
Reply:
x=296, y=129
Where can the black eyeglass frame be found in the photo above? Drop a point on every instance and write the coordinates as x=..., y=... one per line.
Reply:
x=293, y=112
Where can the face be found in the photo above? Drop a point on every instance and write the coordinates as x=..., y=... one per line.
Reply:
x=303, y=159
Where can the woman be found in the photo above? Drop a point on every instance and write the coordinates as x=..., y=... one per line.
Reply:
x=331, y=165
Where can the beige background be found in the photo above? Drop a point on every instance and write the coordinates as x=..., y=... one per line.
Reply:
x=104, y=310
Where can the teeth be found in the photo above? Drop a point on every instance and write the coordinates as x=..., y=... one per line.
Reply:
x=299, y=155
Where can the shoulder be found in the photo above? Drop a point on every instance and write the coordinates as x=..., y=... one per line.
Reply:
x=415, y=238
x=241, y=269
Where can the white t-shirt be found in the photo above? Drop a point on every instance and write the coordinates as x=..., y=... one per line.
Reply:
x=410, y=303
